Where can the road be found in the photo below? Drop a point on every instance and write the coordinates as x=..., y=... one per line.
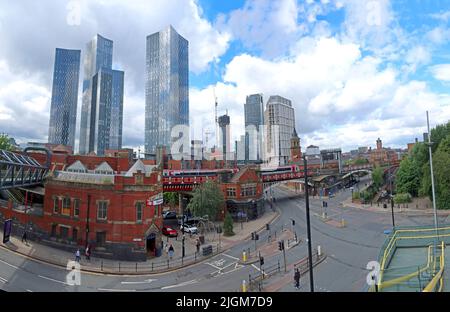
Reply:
x=348, y=251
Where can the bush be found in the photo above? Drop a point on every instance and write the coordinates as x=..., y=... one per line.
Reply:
x=355, y=195
x=402, y=198
x=228, y=225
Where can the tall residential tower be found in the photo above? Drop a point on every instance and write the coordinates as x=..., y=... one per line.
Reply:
x=254, y=119
x=166, y=87
x=63, y=112
x=101, y=113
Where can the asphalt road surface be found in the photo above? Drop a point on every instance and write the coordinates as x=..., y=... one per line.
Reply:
x=348, y=251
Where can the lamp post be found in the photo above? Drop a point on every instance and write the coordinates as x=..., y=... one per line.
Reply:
x=392, y=201
x=87, y=218
x=432, y=177
x=308, y=225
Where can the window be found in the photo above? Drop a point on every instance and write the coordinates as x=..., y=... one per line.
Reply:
x=102, y=209
x=53, y=233
x=76, y=207
x=231, y=192
x=139, y=211
x=56, y=205
x=101, y=238
x=66, y=206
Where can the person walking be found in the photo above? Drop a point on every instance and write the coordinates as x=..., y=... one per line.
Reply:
x=171, y=251
x=24, y=237
x=88, y=252
x=77, y=255
x=198, y=245
x=297, y=279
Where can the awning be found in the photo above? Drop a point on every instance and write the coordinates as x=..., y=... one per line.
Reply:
x=34, y=189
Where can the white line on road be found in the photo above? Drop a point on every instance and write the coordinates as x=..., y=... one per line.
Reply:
x=181, y=284
x=108, y=289
x=3, y=280
x=231, y=257
x=256, y=267
x=53, y=280
x=28, y=290
x=148, y=281
x=13, y=266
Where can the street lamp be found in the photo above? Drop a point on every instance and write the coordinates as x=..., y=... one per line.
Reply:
x=392, y=201
x=432, y=177
x=308, y=225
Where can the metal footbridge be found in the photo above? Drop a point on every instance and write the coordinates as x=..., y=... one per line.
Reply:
x=413, y=259
x=20, y=170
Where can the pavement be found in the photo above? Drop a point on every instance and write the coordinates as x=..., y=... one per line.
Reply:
x=61, y=258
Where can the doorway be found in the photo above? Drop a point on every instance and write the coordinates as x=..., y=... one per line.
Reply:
x=151, y=243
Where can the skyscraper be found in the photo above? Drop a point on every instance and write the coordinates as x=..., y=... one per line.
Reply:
x=115, y=139
x=280, y=120
x=166, y=87
x=224, y=145
x=102, y=110
x=254, y=119
x=63, y=111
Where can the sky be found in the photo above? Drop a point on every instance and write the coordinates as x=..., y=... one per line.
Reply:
x=354, y=70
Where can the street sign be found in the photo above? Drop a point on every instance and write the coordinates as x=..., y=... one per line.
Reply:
x=155, y=200
x=7, y=230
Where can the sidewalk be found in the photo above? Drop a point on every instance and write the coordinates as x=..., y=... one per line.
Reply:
x=156, y=265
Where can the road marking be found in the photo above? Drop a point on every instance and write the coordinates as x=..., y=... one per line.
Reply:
x=121, y=290
x=3, y=280
x=231, y=257
x=53, y=280
x=28, y=290
x=13, y=266
x=148, y=281
x=256, y=267
x=181, y=284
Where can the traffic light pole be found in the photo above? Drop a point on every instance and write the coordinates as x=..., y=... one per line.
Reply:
x=284, y=256
x=308, y=225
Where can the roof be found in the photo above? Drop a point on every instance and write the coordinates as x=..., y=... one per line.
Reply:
x=104, y=166
x=140, y=166
x=77, y=166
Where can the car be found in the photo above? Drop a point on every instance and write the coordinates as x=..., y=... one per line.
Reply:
x=169, y=215
x=189, y=229
x=168, y=231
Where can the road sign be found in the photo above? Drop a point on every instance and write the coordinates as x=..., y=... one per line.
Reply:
x=155, y=200
x=7, y=230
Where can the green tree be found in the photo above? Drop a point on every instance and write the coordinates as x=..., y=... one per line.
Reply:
x=228, y=225
x=5, y=143
x=441, y=169
x=208, y=200
x=439, y=133
x=171, y=198
x=408, y=177
x=377, y=177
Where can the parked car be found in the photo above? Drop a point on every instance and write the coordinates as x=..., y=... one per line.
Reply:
x=169, y=215
x=189, y=229
x=168, y=231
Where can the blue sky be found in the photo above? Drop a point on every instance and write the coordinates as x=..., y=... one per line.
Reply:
x=354, y=70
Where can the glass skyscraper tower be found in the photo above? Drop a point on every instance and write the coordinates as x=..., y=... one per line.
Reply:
x=254, y=119
x=166, y=87
x=63, y=112
x=102, y=110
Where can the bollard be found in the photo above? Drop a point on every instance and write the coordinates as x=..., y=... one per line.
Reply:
x=343, y=222
x=152, y=266
x=119, y=266
x=244, y=256
x=244, y=286
x=136, y=267
x=319, y=252
x=167, y=263
x=101, y=266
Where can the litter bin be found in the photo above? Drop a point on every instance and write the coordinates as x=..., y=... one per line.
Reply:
x=384, y=206
x=201, y=238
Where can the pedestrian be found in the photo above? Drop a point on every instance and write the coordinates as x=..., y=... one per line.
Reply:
x=88, y=252
x=171, y=251
x=297, y=279
x=198, y=245
x=77, y=255
x=24, y=237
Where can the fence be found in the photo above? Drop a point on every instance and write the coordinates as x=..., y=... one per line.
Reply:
x=256, y=282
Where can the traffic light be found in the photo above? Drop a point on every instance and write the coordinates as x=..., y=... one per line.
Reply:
x=293, y=222
x=280, y=245
x=253, y=235
x=261, y=261
x=268, y=227
x=256, y=236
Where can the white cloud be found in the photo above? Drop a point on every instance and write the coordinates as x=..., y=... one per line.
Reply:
x=441, y=72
